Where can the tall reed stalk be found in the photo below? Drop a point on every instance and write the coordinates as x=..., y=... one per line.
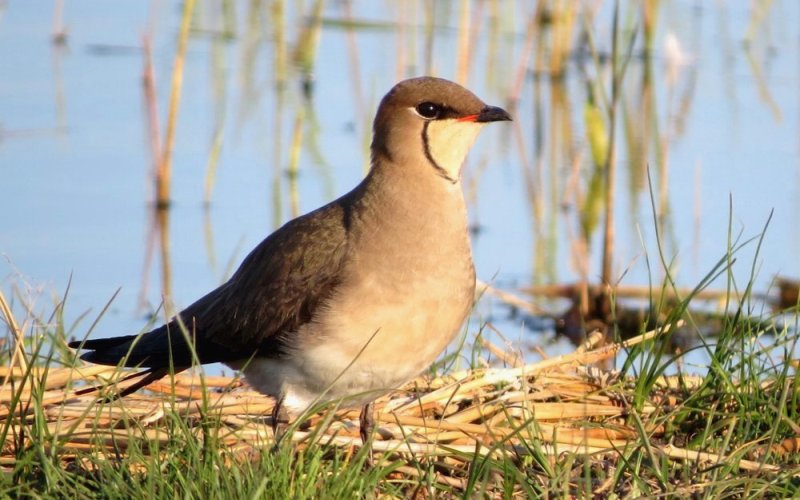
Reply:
x=164, y=172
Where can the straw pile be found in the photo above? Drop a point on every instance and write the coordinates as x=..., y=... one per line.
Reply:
x=560, y=404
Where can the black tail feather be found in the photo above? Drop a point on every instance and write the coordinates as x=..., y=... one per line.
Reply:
x=165, y=346
x=148, y=377
x=95, y=344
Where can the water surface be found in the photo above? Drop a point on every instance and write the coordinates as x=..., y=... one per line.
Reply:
x=712, y=112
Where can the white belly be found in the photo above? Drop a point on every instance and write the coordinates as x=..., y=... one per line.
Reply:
x=304, y=382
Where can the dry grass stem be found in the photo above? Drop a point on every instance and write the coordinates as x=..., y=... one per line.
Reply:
x=560, y=403
x=18, y=358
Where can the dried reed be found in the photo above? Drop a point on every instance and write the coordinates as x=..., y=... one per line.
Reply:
x=557, y=405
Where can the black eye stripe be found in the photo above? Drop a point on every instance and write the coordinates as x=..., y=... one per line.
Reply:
x=434, y=111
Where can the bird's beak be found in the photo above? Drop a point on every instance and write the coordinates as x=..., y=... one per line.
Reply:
x=492, y=114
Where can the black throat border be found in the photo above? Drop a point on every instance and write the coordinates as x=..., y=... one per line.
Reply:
x=439, y=170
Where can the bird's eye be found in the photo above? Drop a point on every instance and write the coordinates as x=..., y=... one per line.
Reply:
x=429, y=110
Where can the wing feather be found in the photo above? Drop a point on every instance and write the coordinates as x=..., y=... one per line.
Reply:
x=277, y=288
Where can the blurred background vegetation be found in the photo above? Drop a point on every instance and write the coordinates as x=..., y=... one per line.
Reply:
x=148, y=146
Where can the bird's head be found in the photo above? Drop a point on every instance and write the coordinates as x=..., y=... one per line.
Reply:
x=431, y=122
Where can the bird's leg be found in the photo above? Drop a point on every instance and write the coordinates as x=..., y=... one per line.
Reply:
x=367, y=421
x=280, y=420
